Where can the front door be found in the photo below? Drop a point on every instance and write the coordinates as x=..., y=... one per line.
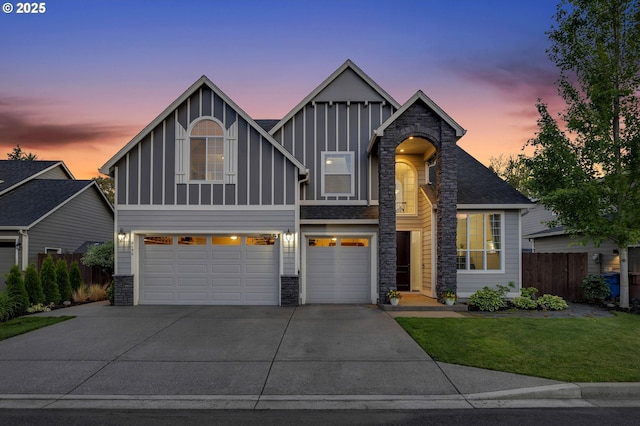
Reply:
x=403, y=260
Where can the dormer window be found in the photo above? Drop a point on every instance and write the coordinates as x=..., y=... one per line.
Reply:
x=206, y=151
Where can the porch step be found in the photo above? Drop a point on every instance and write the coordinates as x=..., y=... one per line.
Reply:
x=458, y=307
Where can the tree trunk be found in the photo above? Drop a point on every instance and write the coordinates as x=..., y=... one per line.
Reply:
x=624, y=277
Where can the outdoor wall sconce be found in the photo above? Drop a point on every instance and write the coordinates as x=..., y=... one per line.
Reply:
x=288, y=236
x=121, y=235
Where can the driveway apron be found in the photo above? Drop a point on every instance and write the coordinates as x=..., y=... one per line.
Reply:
x=225, y=350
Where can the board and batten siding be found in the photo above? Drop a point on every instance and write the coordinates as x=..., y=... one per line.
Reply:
x=333, y=126
x=472, y=281
x=206, y=222
x=84, y=218
x=155, y=171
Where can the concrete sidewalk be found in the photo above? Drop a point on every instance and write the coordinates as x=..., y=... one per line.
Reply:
x=331, y=356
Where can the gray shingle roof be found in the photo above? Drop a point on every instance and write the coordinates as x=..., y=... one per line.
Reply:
x=479, y=185
x=29, y=202
x=13, y=171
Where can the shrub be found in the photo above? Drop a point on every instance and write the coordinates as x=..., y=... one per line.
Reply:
x=96, y=293
x=62, y=280
x=38, y=307
x=33, y=285
x=522, y=302
x=48, y=280
x=80, y=294
x=10, y=305
x=488, y=299
x=528, y=292
x=15, y=287
x=100, y=255
x=551, y=302
x=110, y=293
x=75, y=277
x=595, y=288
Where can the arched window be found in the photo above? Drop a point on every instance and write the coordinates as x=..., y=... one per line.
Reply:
x=206, y=151
x=406, y=186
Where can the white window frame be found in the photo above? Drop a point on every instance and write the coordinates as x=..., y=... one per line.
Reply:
x=351, y=159
x=188, y=150
x=414, y=193
x=486, y=249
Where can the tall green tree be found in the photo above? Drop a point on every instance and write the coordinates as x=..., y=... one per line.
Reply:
x=15, y=287
x=75, y=276
x=513, y=170
x=48, y=280
x=62, y=280
x=18, y=154
x=33, y=285
x=106, y=184
x=588, y=174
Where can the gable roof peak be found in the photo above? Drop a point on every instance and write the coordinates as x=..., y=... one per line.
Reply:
x=346, y=65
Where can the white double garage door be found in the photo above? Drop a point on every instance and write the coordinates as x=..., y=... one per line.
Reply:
x=244, y=270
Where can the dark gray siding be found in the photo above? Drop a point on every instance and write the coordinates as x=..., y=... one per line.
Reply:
x=156, y=170
x=333, y=126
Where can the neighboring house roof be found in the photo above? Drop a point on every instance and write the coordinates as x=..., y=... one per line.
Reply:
x=479, y=187
x=16, y=172
x=418, y=96
x=347, y=65
x=551, y=232
x=202, y=81
x=33, y=201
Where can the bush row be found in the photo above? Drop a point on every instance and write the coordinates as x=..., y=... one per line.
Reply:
x=489, y=299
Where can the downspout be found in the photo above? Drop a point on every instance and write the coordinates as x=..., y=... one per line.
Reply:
x=25, y=248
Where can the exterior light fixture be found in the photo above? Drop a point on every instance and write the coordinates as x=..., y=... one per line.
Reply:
x=288, y=236
x=121, y=235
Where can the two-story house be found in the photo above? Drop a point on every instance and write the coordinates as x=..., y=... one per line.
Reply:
x=349, y=195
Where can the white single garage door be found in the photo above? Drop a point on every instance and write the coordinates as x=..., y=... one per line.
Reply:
x=209, y=270
x=338, y=270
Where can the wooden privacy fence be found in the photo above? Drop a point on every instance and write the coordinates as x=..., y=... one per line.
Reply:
x=560, y=274
x=90, y=274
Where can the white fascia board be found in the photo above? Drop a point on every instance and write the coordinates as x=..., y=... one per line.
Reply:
x=493, y=206
x=181, y=207
x=175, y=104
x=347, y=64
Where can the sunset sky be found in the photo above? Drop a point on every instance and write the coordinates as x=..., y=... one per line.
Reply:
x=80, y=80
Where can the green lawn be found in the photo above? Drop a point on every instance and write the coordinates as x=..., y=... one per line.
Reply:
x=23, y=325
x=567, y=349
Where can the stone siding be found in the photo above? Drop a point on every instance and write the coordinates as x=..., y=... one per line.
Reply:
x=289, y=290
x=123, y=290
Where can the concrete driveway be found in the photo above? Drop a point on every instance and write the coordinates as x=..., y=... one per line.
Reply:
x=230, y=357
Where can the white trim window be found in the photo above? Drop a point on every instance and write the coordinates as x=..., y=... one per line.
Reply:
x=479, y=241
x=206, y=151
x=406, y=189
x=337, y=173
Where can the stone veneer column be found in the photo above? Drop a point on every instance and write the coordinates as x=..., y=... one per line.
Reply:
x=123, y=290
x=289, y=290
x=420, y=121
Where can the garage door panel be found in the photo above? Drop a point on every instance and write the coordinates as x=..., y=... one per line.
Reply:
x=338, y=274
x=209, y=274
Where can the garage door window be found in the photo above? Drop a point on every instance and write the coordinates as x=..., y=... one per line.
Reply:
x=322, y=242
x=225, y=240
x=354, y=242
x=192, y=240
x=261, y=240
x=161, y=240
